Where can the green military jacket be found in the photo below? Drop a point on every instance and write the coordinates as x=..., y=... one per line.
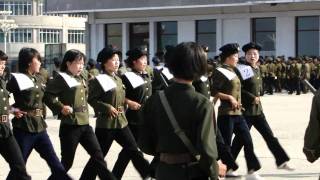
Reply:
x=271, y=69
x=312, y=134
x=5, y=130
x=250, y=89
x=93, y=73
x=195, y=118
x=28, y=100
x=58, y=94
x=263, y=70
x=102, y=101
x=139, y=94
x=220, y=83
x=297, y=70
x=306, y=71
x=278, y=70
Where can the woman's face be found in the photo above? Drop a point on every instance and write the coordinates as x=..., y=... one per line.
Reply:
x=140, y=64
x=112, y=64
x=34, y=66
x=76, y=66
x=232, y=60
x=252, y=56
x=2, y=66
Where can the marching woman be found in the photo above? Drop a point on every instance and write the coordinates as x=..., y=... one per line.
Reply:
x=66, y=95
x=107, y=97
x=9, y=148
x=227, y=87
x=138, y=90
x=29, y=126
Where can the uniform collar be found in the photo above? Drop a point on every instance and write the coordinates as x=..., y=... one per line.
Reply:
x=183, y=86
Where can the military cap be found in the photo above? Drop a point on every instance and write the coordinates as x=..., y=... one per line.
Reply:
x=230, y=49
x=92, y=62
x=251, y=45
x=136, y=53
x=107, y=52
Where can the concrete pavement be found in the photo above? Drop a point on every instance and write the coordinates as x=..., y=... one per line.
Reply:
x=287, y=115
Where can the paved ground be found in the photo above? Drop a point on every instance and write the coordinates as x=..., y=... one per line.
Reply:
x=288, y=116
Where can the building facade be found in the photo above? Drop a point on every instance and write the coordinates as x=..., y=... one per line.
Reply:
x=282, y=27
x=36, y=28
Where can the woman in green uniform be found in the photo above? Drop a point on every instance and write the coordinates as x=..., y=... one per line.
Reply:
x=138, y=90
x=227, y=87
x=66, y=96
x=195, y=118
x=29, y=126
x=107, y=97
x=9, y=148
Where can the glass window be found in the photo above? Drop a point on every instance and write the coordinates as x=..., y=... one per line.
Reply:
x=307, y=41
x=49, y=36
x=166, y=34
x=206, y=34
x=264, y=33
x=76, y=36
x=139, y=35
x=114, y=35
x=18, y=36
x=18, y=8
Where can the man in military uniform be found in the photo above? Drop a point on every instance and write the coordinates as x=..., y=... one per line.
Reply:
x=9, y=148
x=253, y=109
x=270, y=75
x=91, y=68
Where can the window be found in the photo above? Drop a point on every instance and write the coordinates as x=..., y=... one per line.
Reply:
x=17, y=7
x=76, y=36
x=82, y=15
x=139, y=35
x=49, y=36
x=206, y=35
x=114, y=35
x=264, y=33
x=307, y=36
x=20, y=36
x=166, y=34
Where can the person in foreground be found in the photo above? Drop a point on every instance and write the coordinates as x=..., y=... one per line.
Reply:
x=179, y=161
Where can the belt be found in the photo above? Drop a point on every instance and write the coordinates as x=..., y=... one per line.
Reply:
x=80, y=109
x=170, y=158
x=35, y=112
x=4, y=118
x=120, y=109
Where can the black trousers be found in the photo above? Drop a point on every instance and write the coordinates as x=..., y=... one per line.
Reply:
x=270, y=82
x=123, y=157
x=229, y=124
x=262, y=126
x=71, y=136
x=125, y=138
x=10, y=151
x=224, y=152
x=42, y=144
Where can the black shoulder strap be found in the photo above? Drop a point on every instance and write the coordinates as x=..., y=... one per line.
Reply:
x=186, y=141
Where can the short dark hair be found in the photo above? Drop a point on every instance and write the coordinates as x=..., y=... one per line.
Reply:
x=25, y=58
x=70, y=56
x=188, y=61
x=3, y=56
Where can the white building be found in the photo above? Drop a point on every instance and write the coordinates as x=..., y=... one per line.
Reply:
x=35, y=28
x=282, y=27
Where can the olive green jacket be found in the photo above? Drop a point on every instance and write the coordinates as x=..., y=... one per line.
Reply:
x=250, y=89
x=58, y=94
x=28, y=100
x=5, y=130
x=220, y=83
x=102, y=102
x=195, y=117
x=312, y=134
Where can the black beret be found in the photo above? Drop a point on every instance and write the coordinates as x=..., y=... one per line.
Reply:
x=230, y=49
x=107, y=53
x=136, y=53
x=251, y=45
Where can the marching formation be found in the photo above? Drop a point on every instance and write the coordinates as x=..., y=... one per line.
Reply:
x=140, y=108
